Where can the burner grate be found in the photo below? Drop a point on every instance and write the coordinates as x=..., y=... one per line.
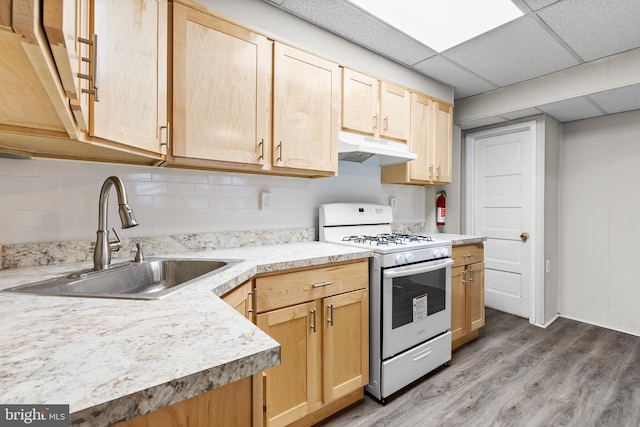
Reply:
x=387, y=239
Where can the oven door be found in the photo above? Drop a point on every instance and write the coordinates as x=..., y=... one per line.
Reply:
x=416, y=304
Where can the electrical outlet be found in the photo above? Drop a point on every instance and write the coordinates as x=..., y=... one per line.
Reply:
x=393, y=202
x=266, y=201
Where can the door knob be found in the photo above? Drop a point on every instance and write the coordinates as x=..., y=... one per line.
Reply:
x=524, y=237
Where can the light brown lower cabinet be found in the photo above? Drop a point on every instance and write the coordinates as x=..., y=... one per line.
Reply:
x=230, y=405
x=320, y=318
x=467, y=293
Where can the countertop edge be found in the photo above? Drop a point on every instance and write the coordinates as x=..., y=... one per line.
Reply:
x=163, y=395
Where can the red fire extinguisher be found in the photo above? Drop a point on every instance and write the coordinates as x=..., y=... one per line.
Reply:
x=441, y=204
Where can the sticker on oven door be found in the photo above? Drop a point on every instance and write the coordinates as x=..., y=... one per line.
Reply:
x=420, y=307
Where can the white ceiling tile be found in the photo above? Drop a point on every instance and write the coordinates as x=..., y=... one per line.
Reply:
x=352, y=23
x=465, y=82
x=595, y=29
x=486, y=121
x=536, y=4
x=527, y=112
x=619, y=100
x=517, y=51
x=572, y=109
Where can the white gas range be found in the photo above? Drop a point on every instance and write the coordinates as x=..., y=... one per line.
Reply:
x=409, y=294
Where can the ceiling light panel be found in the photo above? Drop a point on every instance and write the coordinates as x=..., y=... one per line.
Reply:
x=442, y=24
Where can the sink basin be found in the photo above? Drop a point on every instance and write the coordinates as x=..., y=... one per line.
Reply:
x=152, y=278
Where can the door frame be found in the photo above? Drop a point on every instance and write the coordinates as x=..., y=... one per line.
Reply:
x=536, y=258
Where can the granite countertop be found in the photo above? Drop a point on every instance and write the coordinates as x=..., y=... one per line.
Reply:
x=459, y=239
x=112, y=360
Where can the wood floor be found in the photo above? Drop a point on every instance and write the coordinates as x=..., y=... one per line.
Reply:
x=515, y=374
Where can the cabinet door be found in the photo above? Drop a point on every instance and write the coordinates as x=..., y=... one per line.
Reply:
x=359, y=102
x=395, y=108
x=458, y=302
x=67, y=25
x=475, y=295
x=241, y=299
x=130, y=72
x=293, y=388
x=420, y=142
x=30, y=97
x=346, y=344
x=442, y=137
x=306, y=111
x=221, y=89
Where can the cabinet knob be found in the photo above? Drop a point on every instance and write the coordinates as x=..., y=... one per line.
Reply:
x=524, y=236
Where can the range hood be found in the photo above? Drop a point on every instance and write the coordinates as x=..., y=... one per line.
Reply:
x=353, y=147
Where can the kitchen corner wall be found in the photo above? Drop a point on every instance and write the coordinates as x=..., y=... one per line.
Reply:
x=599, y=221
x=44, y=200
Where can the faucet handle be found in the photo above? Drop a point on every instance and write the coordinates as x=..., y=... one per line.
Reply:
x=117, y=244
x=139, y=255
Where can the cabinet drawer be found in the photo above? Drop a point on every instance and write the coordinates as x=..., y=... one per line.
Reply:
x=287, y=289
x=467, y=254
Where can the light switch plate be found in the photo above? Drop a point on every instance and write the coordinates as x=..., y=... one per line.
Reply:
x=393, y=202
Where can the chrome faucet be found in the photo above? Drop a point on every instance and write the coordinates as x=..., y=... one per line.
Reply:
x=102, y=252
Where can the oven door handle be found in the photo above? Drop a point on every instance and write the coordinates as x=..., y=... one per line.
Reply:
x=424, y=267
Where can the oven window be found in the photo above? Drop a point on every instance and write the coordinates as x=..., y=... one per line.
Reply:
x=417, y=296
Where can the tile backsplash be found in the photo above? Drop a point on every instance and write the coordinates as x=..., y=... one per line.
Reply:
x=44, y=200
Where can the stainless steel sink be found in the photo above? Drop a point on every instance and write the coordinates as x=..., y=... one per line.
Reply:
x=150, y=279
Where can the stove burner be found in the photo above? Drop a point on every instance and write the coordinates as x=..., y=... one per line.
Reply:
x=387, y=239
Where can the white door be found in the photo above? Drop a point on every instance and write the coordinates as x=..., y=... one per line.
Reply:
x=502, y=197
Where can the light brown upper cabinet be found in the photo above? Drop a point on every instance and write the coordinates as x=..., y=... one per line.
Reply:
x=374, y=107
x=442, y=136
x=226, y=79
x=130, y=79
x=31, y=98
x=306, y=112
x=221, y=92
x=112, y=60
x=430, y=139
x=84, y=79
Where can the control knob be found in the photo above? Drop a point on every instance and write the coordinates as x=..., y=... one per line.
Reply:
x=408, y=257
x=400, y=259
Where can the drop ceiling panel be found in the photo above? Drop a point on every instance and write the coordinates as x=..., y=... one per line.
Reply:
x=517, y=51
x=595, y=29
x=464, y=82
x=536, y=4
x=619, y=100
x=352, y=23
x=572, y=109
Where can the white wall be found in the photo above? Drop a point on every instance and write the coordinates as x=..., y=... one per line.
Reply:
x=44, y=200
x=552, y=141
x=600, y=221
